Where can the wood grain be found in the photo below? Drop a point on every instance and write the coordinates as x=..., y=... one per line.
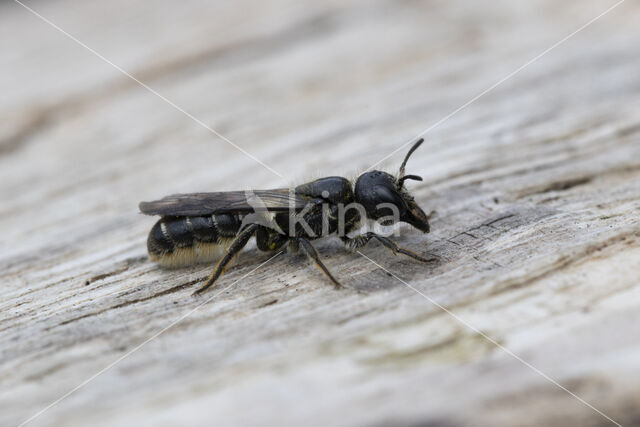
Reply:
x=535, y=188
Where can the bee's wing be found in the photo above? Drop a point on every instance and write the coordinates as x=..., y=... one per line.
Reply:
x=196, y=204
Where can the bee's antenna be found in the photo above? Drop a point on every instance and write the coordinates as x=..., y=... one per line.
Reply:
x=404, y=162
x=404, y=178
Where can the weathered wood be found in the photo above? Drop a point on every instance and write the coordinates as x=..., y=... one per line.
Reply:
x=535, y=188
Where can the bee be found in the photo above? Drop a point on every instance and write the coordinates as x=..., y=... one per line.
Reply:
x=203, y=227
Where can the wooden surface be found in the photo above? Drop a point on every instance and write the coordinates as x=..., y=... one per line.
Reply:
x=535, y=188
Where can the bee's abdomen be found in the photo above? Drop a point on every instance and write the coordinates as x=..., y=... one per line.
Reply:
x=178, y=241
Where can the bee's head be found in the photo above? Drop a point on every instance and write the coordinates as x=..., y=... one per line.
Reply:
x=376, y=187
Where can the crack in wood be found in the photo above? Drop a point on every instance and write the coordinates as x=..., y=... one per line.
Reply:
x=129, y=302
x=127, y=263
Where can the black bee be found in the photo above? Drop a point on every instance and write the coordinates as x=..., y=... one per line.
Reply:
x=201, y=227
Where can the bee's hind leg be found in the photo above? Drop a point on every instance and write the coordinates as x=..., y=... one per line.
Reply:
x=238, y=243
x=313, y=254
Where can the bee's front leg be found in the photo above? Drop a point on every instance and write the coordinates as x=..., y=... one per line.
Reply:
x=362, y=239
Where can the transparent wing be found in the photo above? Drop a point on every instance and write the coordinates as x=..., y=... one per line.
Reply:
x=196, y=204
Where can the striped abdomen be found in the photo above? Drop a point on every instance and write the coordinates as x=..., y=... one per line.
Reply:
x=178, y=241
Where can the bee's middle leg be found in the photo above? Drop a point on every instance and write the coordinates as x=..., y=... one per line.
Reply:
x=269, y=240
x=311, y=251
